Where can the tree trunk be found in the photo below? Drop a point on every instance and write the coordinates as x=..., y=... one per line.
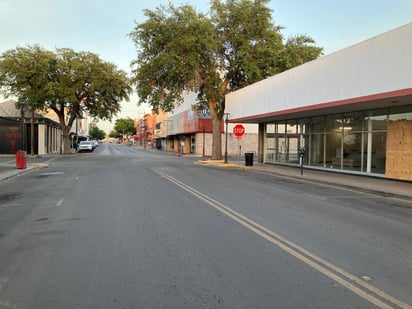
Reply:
x=65, y=147
x=216, y=131
x=217, y=138
x=23, y=132
x=66, y=140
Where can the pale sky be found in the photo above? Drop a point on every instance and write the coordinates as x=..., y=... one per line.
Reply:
x=101, y=27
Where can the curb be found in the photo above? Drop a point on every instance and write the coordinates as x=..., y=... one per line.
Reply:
x=381, y=190
x=220, y=163
x=16, y=172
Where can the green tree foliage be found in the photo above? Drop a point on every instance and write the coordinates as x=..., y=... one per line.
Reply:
x=114, y=134
x=65, y=81
x=124, y=126
x=23, y=74
x=235, y=45
x=298, y=50
x=96, y=133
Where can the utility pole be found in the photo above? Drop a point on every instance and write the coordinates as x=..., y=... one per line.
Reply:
x=227, y=123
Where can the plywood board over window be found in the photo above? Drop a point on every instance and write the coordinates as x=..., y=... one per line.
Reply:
x=399, y=150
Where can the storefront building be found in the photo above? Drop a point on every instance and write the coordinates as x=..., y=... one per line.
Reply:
x=188, y=132
x=350, y=111
x=15, y=131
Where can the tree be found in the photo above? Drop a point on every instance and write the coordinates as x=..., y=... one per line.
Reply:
x=24, y=74
x=67, y=82
x=83, y=82
x=124, y=126
x=114, y=134
x=235, y=45
x=96, y=133
x=297, y=51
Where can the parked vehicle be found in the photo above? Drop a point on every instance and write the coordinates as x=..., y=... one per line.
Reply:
x=86, y=146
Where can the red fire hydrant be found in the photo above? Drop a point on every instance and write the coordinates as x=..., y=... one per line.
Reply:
x=21, y=160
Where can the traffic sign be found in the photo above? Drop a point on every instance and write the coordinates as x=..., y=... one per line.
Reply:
x=238, y=130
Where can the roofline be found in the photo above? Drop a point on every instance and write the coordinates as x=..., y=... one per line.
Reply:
x=332, y=107
x=37, y=120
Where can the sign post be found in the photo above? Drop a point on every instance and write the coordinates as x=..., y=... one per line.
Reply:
x=302, y=153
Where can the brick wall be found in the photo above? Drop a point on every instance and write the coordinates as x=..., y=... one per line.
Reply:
x=235, y=147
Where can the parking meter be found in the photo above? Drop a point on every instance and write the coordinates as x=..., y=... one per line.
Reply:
x=302, y=153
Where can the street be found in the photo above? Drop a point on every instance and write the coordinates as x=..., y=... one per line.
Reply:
x=126, y=227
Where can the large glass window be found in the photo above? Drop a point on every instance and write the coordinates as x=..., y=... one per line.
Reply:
x=316, y=141
x=375, y=143
x=353, y=156
x=333, y=150
x=316, y=149
x=333, y=137
x=292, y=141
x=317, y=125
x=351, y=141
x=304, y=139
x=333, y=123
x=282, y=141
x=378, y=152
x=401, y=116
x=270, y=142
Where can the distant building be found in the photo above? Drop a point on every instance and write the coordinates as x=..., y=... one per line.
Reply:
x=350, y=111
x=161, y=130
x=15, y=126
x=186, y=131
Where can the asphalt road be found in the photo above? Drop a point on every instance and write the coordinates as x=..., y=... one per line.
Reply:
x=132, y=228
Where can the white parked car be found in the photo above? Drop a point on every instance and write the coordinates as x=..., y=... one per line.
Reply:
x=86, y=146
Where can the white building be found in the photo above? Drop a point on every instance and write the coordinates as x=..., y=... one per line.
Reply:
x=350, y=111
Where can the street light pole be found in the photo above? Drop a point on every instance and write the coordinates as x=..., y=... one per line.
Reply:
x=203, y=114
x=204, y=139
x=227, y=123
x=23, y=134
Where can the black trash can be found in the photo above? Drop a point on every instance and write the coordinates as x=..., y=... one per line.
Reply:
x=249, y=158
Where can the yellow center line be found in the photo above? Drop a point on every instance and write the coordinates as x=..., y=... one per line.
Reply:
x=358, y=286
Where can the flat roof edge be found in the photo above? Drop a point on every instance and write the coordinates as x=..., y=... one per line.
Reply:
x=325, y=105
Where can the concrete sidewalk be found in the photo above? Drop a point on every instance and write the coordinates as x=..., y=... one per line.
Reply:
x=383, y=186
x=9, y=170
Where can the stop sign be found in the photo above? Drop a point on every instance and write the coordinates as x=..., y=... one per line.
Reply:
x=238, y=130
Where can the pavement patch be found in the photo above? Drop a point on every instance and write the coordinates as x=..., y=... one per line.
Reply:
x=8, y=197
x=50, y=174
